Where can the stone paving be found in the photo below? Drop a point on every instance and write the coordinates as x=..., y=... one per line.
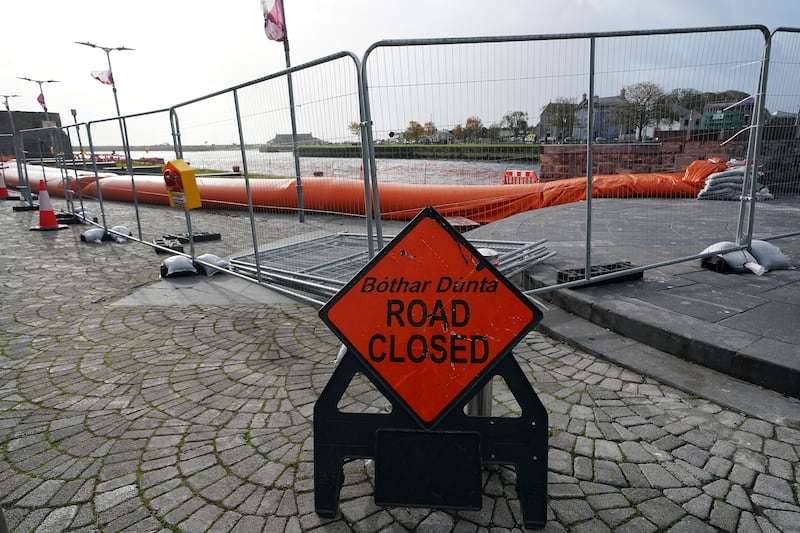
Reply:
x=199, y=418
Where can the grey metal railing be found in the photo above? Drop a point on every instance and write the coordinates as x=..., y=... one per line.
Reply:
x=401, y=81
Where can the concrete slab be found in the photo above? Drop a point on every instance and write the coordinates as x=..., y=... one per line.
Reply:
x=220, y=289
x=772, y=320
x=788, y=291
x=704, y=302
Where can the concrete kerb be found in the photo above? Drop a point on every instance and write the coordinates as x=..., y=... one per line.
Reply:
x=712, y=361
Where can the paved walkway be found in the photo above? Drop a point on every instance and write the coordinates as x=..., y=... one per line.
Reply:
x=741, y=325
x=195, y=414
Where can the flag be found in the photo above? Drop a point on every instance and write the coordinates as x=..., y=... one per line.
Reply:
x=40, y=99
x=103, y=76
x=274, y=25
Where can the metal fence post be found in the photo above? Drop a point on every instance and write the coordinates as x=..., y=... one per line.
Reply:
x=744, y=228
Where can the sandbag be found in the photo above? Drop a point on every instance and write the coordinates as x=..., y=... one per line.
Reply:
x=720, y=193
x=737, y=260
x=94, y=235
x=210, y=259
x=769, y=256
x=177, y=265
x=118, y=233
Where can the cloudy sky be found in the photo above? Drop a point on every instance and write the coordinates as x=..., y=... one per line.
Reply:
x=185, y=49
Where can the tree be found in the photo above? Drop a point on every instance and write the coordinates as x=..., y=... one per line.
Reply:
x=355, y=129
x=696, y=100
x=458, y=131
x=429, y=128
x=644, y=104
x=473, y=128
x=414, y=131
x=689, y=98
x=516, y=121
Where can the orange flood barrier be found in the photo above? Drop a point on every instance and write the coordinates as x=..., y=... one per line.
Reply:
x=399, y=201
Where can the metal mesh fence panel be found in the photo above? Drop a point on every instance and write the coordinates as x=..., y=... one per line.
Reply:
x=480, y=128
x=253, y=144
x=779, y=157
x=668, y=100
x=493, y=111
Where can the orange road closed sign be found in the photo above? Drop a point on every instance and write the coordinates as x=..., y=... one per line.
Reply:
x=429, y=314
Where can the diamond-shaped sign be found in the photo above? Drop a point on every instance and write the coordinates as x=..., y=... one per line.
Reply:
x=429, y=315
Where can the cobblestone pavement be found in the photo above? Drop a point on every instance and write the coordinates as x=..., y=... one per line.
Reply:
x=199, y=418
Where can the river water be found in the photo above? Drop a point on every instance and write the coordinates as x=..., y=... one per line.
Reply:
x=281, y=164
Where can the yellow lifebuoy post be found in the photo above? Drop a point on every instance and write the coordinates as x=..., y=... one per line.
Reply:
x=181, y=185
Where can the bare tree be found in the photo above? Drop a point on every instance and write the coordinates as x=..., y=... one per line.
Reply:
x=689, y=98
x=355, y=128
x=644, y=104
x=696, y=100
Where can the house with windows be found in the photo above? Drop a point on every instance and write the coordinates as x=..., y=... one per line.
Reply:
x=610, y=124
x=555, y=121
x=727, y=115
x=606, y=123
x=443, y=137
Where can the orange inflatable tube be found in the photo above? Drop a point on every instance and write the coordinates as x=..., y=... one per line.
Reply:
x=399, y=201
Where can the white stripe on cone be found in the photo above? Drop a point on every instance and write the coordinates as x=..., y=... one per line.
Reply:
x=47, y=217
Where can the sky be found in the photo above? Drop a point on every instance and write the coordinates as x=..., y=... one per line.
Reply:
x=183, y=50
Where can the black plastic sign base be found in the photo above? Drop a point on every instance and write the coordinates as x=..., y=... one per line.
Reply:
x=428, y=469
x=403, y=450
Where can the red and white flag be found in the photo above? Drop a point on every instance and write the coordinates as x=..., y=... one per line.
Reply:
x=40, y=99
x=274, y=25
x=103, y=76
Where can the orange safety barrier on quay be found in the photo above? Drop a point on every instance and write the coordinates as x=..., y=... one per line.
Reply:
x=399, y=201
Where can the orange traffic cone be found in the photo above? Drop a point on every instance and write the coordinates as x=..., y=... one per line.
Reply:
x=47, y=217
x=3, y=188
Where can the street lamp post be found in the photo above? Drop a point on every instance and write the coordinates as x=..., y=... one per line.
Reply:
x=43, y=103
x=46, y=124
x=122, y=128
x=108, y=51
x=41, y=93
x=14, y=142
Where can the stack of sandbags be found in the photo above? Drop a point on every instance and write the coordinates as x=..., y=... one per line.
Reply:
x=727, y=185
x=760, y=258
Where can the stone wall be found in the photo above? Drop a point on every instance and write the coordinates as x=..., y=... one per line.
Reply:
x=569, y=160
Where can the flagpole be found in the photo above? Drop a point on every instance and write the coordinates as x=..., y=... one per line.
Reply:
x=299, y=181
